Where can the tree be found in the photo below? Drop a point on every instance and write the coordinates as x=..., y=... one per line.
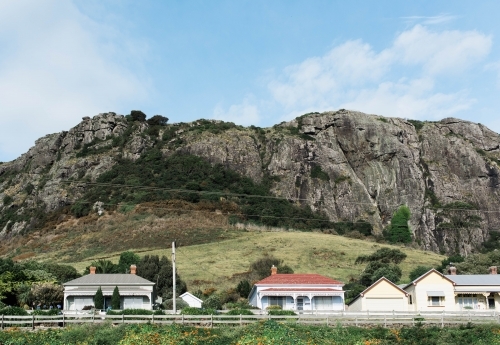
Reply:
x=127, y=259
x=262, y=267
x=99, y=299
x=137, y=115
x=63, y=273
x=386, y=255
x=115, y=298
x=418, y=271
x=157, y=120
x=376, y=269
x=399, y=231
x=244, y=288
x=102, y=266
x=159, y=271
x=47, y=294
x=388, y=271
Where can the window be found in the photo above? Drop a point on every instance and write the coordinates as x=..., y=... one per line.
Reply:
x=277, y=300
x=467, y=302
x=436, y=301
x=410, y=300
x=323, y=303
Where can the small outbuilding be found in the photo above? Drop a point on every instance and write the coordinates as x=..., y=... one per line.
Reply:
x=191, y=300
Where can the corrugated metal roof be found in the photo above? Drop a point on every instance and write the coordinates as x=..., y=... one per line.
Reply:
x=109, y=279
x=306, y=279
x=475, y=279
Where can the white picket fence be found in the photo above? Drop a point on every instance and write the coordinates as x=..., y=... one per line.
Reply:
x=385, y=319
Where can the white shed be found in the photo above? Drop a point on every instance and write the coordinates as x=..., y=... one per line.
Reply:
x=191, y=300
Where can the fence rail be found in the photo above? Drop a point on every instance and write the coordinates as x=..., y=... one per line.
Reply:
x=384, y=319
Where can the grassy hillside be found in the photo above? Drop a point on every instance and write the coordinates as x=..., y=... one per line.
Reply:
x=219, y=264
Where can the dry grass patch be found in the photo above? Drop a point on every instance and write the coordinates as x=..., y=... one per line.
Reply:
x=221, y=264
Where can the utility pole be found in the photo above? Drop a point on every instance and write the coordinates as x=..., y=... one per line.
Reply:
x=173, y=272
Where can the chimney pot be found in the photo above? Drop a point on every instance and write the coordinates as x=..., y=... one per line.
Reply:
x=493, y=270
x=274, y=270
x=92, y=269
x=133, y=269
x=452, y=270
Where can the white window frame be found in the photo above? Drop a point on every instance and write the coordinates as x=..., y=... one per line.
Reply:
x=435, y=301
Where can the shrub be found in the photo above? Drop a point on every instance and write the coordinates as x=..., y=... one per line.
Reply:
x=17, y=311
x=244, y=288
x=239, y=312
x=274, y=307
x=198, y=311
x=136, y=312
x=281, y=312
x=49, y=312
x=213, y=302
x=115, y=298
x=316, y=172
x=99, y=299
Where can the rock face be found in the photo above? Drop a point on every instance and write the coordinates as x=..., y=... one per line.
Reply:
x=349, y=165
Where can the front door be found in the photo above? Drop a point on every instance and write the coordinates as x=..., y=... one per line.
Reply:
x=300, y=303
x=491, y=303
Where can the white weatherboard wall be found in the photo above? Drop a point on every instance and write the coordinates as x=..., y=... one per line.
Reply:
x=432, y=282
x=191, y=300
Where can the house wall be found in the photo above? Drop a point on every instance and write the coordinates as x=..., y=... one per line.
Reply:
x=382, y=296
x=434, y=282
x=192, y=302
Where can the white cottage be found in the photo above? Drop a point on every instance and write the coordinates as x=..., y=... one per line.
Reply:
x=298, y=292
x=136, y=292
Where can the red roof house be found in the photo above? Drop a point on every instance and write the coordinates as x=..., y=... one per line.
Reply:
x=300, y=292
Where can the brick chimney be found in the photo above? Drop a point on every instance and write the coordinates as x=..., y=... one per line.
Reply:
x=92, y=269
x=274, y=270
x=133, y=269
x=452, y=270
x=493, y=270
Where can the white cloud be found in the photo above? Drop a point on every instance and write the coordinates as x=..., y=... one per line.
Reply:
x=244, y=114
x=56, y=66
x=409, y=100
x=439, y=52
x=397, y=81
x=430, y=20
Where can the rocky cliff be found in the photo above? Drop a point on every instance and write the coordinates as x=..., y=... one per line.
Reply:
x=348, y=165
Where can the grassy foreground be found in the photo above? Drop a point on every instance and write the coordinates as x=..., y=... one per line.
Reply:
x=264, y=333
x=219, y=264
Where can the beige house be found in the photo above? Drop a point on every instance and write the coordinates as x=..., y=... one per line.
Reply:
x=476, y=291
x=382, y=295
x=431, y=291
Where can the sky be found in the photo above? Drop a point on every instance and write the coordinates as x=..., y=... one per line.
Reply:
x=257, y=62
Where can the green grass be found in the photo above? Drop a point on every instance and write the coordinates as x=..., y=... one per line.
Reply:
x=218, y=264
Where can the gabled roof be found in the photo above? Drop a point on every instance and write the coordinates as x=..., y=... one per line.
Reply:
x=109, y=279
x=186, y=294
x=432, y=270
x=302, y=279
x=475, y=279
x=375, y=284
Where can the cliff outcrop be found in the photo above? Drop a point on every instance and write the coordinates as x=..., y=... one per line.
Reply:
x=351, y=166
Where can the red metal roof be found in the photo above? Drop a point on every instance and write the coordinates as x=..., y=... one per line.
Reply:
x=303, y=279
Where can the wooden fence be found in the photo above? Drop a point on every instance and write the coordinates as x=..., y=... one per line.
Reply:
x=384, y=319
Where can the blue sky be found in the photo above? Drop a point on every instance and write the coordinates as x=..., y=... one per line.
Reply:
x=250, y=62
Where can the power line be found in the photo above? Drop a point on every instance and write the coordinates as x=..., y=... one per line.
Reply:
x=180, y=190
